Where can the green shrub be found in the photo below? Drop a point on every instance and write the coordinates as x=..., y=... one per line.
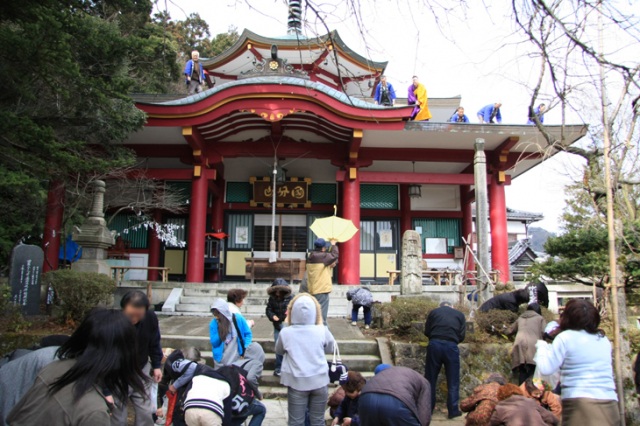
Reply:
x=78, y=292
x=403, y=311
x=495, y=321
x=11, y=317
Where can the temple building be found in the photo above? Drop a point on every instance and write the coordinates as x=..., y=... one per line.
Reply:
x=300, y=110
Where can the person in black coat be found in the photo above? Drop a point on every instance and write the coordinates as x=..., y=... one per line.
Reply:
x=507, y=301
x=538, y=293
x=445, y=328
x=135, y=305
x=279, y=297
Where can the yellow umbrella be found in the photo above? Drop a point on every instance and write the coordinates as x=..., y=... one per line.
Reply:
x=334, y=228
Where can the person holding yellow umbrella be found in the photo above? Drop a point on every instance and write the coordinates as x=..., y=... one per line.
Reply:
x=320, y=264
x=324, y=258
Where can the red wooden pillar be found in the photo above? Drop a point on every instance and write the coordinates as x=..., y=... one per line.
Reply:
x=53, y=226
x=217, y=221
x=499, y=234
x=405, y=210
x=349, y=265
x=197, y=227
x=467, y=225
x=155, y=247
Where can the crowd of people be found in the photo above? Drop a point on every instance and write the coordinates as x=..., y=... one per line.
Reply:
x=115, y=358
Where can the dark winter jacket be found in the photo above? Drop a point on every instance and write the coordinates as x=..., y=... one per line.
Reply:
x=446, y=323
x=506, y=301
x=360, y=296
x=408, y=386
x=349, y=408
x=148, y=340
x=279, y=298
x=538, y=293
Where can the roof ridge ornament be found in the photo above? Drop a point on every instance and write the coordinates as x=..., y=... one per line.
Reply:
x=294, y=22
x=274, y=66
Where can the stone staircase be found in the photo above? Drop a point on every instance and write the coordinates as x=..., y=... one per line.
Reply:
x=198, y=300
x=358, y=355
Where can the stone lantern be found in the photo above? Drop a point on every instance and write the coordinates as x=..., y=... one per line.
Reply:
x=94, y=236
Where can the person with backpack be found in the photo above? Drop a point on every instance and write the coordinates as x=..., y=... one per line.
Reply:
x=229, y=333
x=252, y=366
x=305, y=372
x=212, y=397
x=179, y=368
x=277, y=305
x=360, y=297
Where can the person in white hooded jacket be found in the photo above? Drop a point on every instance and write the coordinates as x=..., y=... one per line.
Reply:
x=305, y=371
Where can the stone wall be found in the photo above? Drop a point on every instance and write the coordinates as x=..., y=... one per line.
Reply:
x=476, y=362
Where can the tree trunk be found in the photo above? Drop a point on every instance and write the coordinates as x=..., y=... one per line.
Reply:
x=632, y=405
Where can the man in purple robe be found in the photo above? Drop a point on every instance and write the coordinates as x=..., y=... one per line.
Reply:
x=413, y=100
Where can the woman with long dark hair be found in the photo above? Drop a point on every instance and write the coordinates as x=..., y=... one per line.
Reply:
x=98, y=355
x=582, y=354
x=229, y=333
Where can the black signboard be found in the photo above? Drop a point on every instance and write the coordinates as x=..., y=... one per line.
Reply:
x=292, y=193
x=24, y=277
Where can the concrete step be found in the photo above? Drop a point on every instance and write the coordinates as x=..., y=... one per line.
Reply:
x=253, y=291
x=269, y=380
x=336, y=308
x=354, y=362
x=354, y=347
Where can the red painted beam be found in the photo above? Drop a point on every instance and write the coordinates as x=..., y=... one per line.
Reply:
x=418, y=154
x=354, y=146
x=287, y=149
x=255, y=52
x=320, y=58
x=414, y=178
x=193, y=138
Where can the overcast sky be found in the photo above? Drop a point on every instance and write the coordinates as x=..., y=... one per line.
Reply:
x=472, y=52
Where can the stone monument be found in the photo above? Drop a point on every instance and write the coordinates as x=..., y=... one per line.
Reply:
x=411, y=273
x=94, y=236
x=24, y=277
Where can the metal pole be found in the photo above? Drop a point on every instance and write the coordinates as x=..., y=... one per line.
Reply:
x=482, y=219
x=273, y=257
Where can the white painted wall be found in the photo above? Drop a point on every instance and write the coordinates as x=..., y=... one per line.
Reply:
x=437, y=197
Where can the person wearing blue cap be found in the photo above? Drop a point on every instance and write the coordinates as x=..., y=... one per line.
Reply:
x=381, y=367
x=320, y=266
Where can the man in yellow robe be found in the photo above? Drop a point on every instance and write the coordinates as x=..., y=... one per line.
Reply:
x=418, y=96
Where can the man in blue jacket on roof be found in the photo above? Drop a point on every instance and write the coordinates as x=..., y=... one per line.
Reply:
x=385, y=93
x=459, y=116
x=490, y=113
x=194, y=73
